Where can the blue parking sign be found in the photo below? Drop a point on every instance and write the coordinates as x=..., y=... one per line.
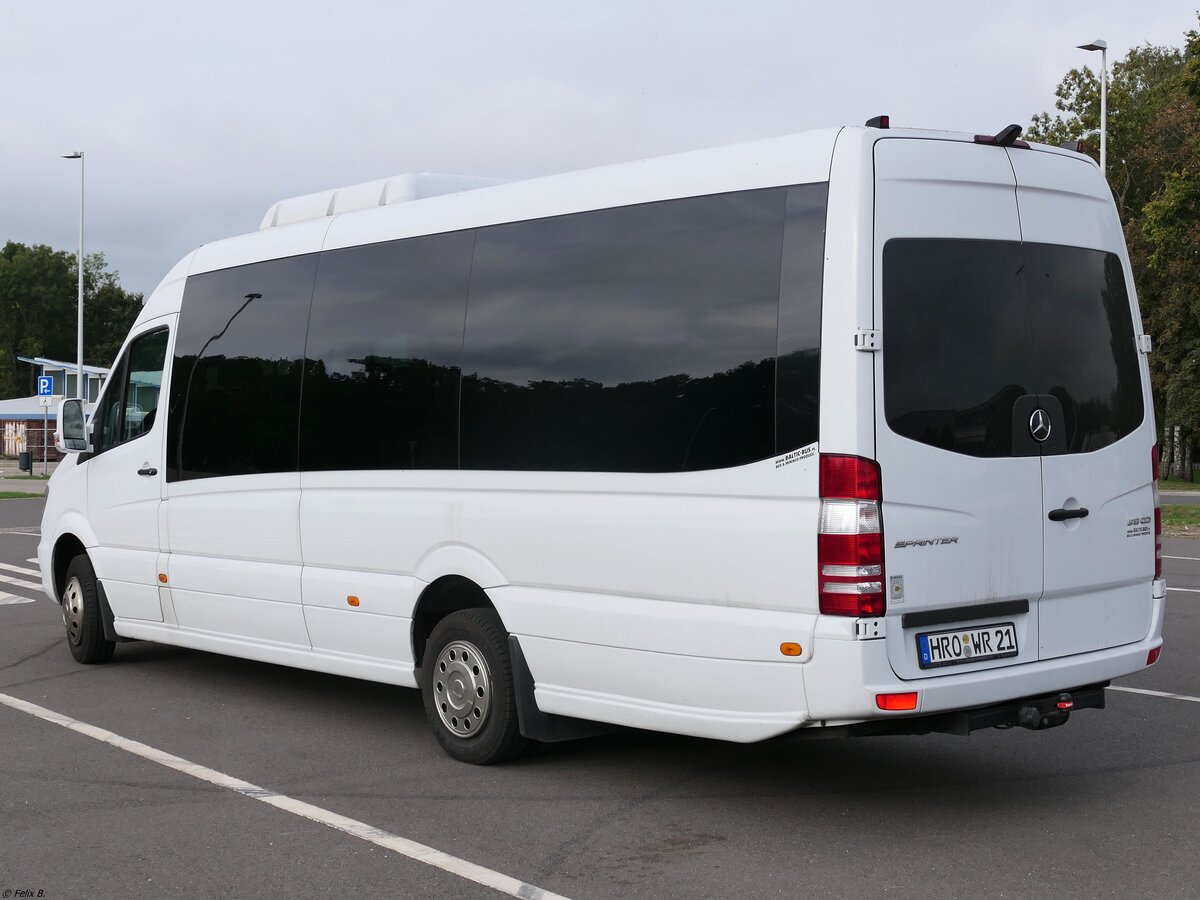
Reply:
x=45, y=385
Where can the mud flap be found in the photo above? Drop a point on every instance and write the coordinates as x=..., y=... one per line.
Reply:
x=106, y=617
x=535, y=724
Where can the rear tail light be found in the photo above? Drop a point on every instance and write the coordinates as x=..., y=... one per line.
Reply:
x=850, y=574
x=1157, y=514
x=1153, y=655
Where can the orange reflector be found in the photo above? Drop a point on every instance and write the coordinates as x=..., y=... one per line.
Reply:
x=895, y=702
x=162, y=578
x=353, y=601
x=790, y=649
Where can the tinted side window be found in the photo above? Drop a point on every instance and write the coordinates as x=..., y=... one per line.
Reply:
x=235, y=385
x=797, y=376
x=957, y=343
x=638, y=339
x=1086, y=355
x=384, y=342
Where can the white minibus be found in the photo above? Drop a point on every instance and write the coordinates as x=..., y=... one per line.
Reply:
x=843, y=432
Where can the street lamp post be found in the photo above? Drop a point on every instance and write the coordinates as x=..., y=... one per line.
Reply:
x=79, y=382
x=1102, y=46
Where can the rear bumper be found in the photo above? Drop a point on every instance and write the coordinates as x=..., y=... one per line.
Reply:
x=1034, y=713
x=844, y=677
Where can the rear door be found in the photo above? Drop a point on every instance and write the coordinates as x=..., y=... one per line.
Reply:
x=962, y=513
x=1098, y=566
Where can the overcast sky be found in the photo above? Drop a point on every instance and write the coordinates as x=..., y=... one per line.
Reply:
x=196, y=117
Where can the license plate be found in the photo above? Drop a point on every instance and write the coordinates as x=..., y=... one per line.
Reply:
x=966, y=645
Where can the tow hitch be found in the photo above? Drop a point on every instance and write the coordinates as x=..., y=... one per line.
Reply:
x=1041, y=714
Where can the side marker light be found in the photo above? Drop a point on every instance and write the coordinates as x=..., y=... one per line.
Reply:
x=352, y=600
x=789, y=649
x=162, y=578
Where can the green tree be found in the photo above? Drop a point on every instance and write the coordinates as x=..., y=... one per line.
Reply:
x=1154, y=172
x=1140, y=88
x=1165, y=245
x=38, y=311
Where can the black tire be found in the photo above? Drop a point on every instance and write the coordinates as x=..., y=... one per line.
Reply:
x=467, y=686
x=81, y=614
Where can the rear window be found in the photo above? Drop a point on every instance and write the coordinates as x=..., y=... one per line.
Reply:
x=974, y=326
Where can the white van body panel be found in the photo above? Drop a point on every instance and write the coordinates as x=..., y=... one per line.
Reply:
x=989, y=508
x=662, y=600
x=272, y=243
x=235, y=556
x=1097, y=567
x=847, y=409
x=123, y=507
x=168, y=296
x=616, y=549
x=793, y=159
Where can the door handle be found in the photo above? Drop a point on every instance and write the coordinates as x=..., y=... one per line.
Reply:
x=150, y=470
x=1061, y=515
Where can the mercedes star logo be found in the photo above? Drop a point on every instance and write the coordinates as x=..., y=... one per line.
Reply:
x=1039, y=425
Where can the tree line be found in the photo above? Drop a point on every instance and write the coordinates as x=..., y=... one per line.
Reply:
x=39, y=312
x=1154, y=173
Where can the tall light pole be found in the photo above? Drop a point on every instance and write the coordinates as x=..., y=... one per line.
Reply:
x=1102, y=46
x=79, y=382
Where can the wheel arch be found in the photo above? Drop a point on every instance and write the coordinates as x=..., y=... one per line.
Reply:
x=445, y=595
x=66, y=548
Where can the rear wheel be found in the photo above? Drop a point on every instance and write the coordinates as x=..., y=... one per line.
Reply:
x=467, y=686
x=81, y=614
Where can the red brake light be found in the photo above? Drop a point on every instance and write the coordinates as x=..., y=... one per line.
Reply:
x=850, y=574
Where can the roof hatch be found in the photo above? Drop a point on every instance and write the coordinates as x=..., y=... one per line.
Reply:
x=385, y=192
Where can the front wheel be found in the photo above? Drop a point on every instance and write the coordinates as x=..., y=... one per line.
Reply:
x=467, y=686
x=81, y=614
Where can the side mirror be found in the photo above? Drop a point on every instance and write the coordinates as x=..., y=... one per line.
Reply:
x=72, y=434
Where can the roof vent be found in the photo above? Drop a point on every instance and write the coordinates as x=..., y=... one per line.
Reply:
x=385, y=192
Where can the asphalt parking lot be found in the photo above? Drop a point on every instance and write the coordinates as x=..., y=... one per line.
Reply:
x=1103, y=807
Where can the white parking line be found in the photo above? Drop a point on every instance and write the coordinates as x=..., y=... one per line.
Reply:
x=21, y=582
x=13, y=600
x=419, y=852
x=20, y=569
x=1129, y=690
x=33, y=560
x=1196, y=558
x=1185, y=590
